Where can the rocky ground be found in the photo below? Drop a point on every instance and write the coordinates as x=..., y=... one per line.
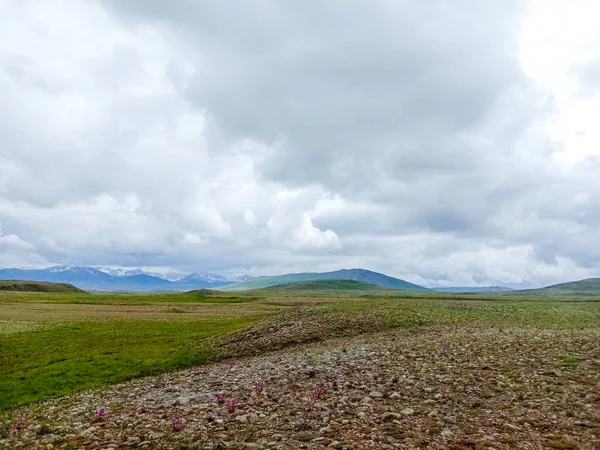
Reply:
x=441, y=388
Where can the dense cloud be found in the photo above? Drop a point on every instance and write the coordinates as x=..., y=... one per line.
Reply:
x=267, y=137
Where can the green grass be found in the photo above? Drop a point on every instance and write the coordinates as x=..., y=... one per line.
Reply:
x=56, y=343
x=60, y=358
x=452, y=312
x=199, y=296
x=571, y=360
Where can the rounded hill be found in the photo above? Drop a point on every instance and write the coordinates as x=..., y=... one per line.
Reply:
x=37, y=286
x=331, y=286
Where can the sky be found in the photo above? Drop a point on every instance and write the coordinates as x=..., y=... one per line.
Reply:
x=445, y=143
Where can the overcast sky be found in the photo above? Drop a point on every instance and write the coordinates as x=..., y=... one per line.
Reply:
x=445, y=143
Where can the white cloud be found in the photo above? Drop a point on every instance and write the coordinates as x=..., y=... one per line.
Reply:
x=273, y=139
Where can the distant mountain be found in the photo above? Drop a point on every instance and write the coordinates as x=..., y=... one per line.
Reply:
x=589, y=286
x=473, y=289
x=362, y=275
x=104, y=278
x=349, y=286
x=120, y=272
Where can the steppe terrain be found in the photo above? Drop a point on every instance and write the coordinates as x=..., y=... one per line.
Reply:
x=305, y=367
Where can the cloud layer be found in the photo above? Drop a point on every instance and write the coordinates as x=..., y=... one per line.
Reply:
x=265, y=137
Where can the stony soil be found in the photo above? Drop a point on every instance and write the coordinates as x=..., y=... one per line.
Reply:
x=436, y=388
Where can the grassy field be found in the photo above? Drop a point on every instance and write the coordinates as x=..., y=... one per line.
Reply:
x=56, y=343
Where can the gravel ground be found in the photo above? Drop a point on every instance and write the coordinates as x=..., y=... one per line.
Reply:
x=443, y=388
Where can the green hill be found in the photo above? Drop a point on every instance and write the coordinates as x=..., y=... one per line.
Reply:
x=349, y=286
x=589, y=286
x=36, y=286
x=362, y=275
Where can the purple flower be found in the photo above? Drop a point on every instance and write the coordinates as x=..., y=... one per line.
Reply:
x=100, y=412
x=317, y=394
x=380, y=352
x=232, y=405
x=259, y=385
x=177, y=423
x=232, y=362
x=220, y=397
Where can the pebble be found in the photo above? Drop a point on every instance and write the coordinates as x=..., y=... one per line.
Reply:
x=133, y=440
x=88, y=432
x=407, y=411
x=182, y=400
x=512, y=427
x=388, y=416
x=447, y=433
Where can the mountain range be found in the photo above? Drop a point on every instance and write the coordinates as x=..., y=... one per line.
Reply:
x=105, y=278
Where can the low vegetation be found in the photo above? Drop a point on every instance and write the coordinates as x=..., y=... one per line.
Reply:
x=385, y=367
x=37, y=286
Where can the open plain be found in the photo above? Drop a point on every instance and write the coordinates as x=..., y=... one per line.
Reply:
x=299, y=369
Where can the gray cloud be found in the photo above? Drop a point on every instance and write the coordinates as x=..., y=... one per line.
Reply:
x=268, y=136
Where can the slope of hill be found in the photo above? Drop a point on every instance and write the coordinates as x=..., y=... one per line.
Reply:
x=459, y=289
x=36, y=286
x=590, y=286
x=351, y=286
x=92, y=278
x=365, y=276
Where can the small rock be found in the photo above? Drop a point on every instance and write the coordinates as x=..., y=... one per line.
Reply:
x=375, y=394
x=277, y=437
x=325, y=430
x=367, y=399
x=388, y=416
x=88, y=432
x=407, y=411
x=132, y=441
x=182, y=400
x=252, y=445
x=447, y=433
x=512, y=427
x=335, y=444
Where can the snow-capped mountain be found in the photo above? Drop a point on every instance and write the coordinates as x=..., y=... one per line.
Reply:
x=107, y=278
x=121, y=272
